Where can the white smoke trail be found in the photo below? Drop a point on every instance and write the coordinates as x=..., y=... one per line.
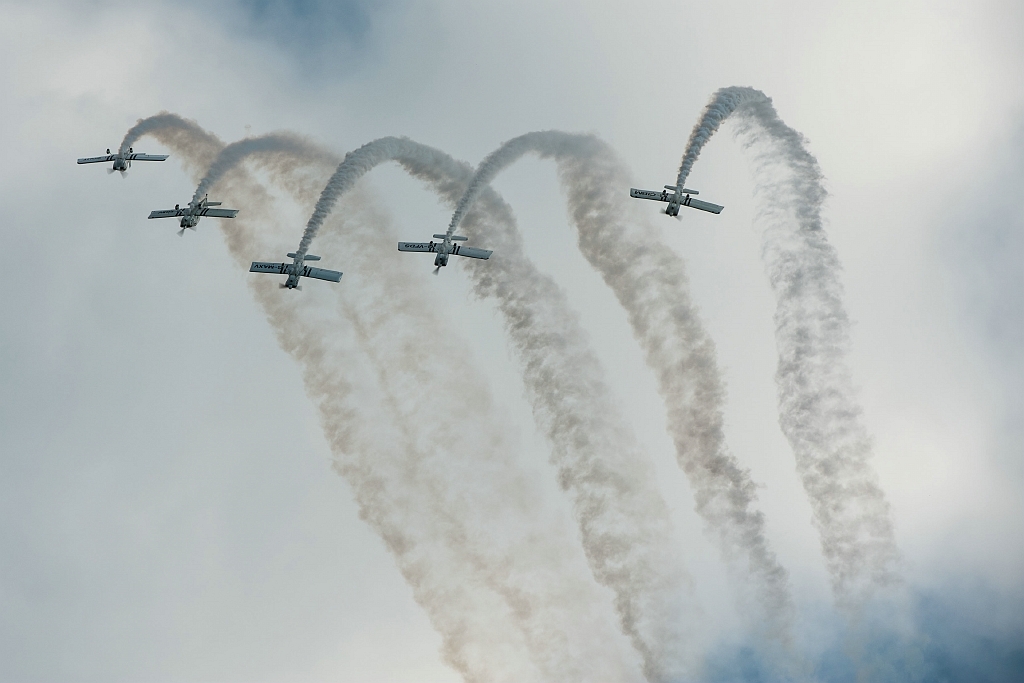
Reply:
x=650, y=282
x=818, y=410
x=554, y=614
x=537, y=569
x=266, y=147
x=436, y=578
x=185, y=134
x=724, y=102
x=623, y=521
x=354, y=166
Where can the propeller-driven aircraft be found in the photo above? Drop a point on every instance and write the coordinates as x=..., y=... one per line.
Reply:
x=444, y=248
x=123, y=161
x=295, y=270
x=191, y=214
x=679, y=196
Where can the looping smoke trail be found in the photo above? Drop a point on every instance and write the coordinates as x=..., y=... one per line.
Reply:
x=273, y=144
x=170, y=128
x=721, y=106
x=623, y=521
x=354, y=166
x=651, y=284
x=818, y=410
x=565, y=633
x=470, y=623
x=552, y=613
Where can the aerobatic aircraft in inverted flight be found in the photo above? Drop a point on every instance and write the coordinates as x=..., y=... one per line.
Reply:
x=444, y=248
x=295, y=270
x=679, y=196
x=123, y=160
x=191, y=214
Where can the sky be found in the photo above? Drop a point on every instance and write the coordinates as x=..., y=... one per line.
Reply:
x=168, y=506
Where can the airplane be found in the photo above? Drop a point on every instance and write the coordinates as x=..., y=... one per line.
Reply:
x=122, y=162
x=295, y=270
x=444, y=248
x=191, y=214
x=675, y=199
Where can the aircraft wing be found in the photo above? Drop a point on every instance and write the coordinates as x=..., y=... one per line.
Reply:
x=417, y=246
x=321, y=274
x=655, y=195
x=287, y=269
x=169, y=213
x=472, y=252
x=219, y=213
x=97, y=160
x=665, y=196
x=263, y=267
x=703, y=206
x=146, y=157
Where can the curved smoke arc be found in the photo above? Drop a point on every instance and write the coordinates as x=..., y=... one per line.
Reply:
x=440, y=583
x=818, y=409
x=624, y=522
x=651, y=284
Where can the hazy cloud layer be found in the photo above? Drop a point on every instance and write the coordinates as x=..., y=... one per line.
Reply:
x=168, y=507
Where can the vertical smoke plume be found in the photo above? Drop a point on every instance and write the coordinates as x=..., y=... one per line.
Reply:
x=818, y=411
x=405, y=489
x=623, y=521
x=651, y=284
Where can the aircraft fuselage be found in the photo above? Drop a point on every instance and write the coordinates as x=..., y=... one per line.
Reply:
x=123, y=161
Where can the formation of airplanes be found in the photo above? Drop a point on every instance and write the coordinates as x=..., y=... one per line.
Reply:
x=446, y=245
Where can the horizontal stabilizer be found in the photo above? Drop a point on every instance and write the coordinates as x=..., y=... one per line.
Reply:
x=307, y=257
x=685, y=190
x=703, y=206
x=169, y=213
x=472, y=252
x=214, y=203
x=454, y=238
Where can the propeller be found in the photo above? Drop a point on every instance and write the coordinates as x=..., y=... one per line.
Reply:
x=110, y=171
x=181, y=232
x=124, y=174
x=437, y=270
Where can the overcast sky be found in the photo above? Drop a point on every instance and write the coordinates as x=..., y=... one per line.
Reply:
x=168, y=510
